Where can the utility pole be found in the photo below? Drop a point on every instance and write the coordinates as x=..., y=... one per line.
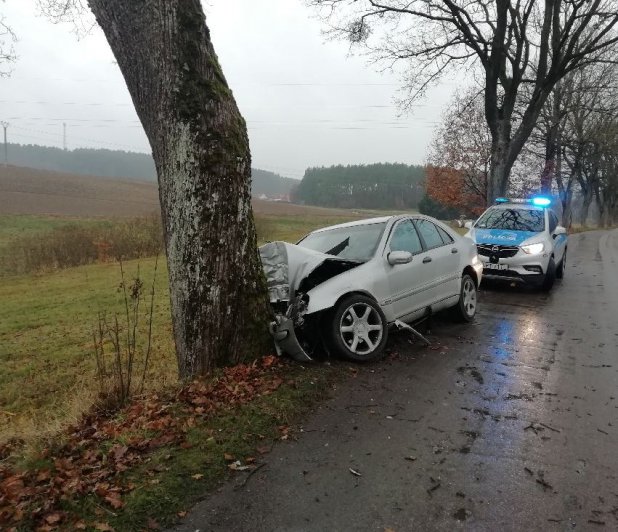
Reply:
x=5, y=125
x=64, y=136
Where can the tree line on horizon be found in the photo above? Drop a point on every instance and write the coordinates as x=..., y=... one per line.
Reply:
x=371, y=186
x=120, y=164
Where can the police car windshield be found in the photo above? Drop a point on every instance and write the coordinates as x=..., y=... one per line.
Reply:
x=512, y=220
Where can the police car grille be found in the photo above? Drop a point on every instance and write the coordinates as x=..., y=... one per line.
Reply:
x=502, y=252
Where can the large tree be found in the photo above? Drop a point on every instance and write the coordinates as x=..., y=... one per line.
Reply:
x=513, y=42
x=201, y=152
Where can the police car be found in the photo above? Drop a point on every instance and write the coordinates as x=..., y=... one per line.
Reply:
x=521, y=241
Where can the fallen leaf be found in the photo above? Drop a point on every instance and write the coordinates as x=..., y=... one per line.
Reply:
x=114, y=500
x=197, y=476
x=103, y=527
x=237, y=466
x=152, y=524
x=53, y=518
x=228, y=457
x=182, y=514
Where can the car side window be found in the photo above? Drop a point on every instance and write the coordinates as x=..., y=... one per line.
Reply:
x=430, y=234
x=446, y=238
x=405, y=238
x=553, y=222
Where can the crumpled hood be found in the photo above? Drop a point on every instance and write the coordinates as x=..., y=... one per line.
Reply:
x=288, y=267
x=501, y=237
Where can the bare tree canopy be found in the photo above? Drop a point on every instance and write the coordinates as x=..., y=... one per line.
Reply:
x=513, y=42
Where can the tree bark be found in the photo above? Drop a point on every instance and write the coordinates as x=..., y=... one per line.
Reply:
x=586, y=202
x=201, y=152
x=501, y=161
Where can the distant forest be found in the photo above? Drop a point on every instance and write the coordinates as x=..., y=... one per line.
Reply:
x=121, y=164
x=372, y=186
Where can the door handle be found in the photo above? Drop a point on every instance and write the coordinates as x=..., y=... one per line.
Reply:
x=426, y=260
x=454, y=250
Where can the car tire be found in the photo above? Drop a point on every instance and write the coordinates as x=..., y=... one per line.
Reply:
x=560, y=268
x=359, y=329
x=465, y=309
x=550, y=276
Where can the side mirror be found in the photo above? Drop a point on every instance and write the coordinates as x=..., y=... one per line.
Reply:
x=468, y=225
x=399, y=257
x=559, y=231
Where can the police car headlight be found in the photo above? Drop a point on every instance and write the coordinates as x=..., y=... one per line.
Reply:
x=533, y=249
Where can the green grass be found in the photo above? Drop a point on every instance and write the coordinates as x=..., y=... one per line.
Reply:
x=14, y=226
x=46, y=324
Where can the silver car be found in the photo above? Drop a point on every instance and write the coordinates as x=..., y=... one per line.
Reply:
x=341, y=287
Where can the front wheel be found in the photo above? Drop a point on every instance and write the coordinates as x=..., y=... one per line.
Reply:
x=550, y=276
x=465, y=310
x=359, y=329
x=560, y=268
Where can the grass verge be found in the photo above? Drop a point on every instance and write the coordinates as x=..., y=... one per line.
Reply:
x=146, y=466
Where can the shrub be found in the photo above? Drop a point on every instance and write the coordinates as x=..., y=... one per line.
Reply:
x=77, y=244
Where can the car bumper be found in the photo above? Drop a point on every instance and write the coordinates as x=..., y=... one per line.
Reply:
x=523, y=269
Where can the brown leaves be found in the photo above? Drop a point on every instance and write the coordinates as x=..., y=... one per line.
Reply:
x=99, y=448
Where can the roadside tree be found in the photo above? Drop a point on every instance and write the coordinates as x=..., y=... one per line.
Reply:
x=201, y=151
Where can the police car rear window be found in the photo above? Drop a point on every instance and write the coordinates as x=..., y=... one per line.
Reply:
x=513, y=220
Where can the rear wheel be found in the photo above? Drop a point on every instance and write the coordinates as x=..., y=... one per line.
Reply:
x=550, y=276
x=465, y=310
x=359, y=329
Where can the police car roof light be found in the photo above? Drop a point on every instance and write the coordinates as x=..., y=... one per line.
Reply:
x=502, y=200
x=541, y=201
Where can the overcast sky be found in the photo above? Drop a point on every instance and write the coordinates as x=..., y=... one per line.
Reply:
x=306, y=102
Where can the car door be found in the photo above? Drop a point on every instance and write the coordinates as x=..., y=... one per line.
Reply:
x=408, y=283
x=559, y=238
x=441, y=255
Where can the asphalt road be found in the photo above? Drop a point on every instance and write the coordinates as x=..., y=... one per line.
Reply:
x=510, y=423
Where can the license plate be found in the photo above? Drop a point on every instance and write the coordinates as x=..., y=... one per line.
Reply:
x=490, y=266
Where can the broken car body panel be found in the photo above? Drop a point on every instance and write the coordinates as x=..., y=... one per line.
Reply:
x=291, y=271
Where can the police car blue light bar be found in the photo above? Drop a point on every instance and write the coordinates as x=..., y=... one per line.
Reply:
x=541, y=201
x=538, y=201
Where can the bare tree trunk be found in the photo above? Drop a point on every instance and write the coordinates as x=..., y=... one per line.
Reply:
x=201, y=151
x=500, y=164
x=586, y=202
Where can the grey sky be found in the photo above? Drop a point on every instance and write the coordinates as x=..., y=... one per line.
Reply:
x=305, y=101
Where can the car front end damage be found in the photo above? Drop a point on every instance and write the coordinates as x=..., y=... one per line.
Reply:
x=291, y=273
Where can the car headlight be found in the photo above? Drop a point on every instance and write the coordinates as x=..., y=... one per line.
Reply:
x=533, y=249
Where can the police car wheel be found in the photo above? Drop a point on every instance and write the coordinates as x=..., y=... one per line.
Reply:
x=560, y=268
x=550, y=276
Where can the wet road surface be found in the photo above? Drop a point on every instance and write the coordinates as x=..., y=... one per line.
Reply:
x=510, y=423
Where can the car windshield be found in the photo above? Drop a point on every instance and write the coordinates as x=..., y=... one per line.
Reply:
x=512, y=220
x=356, y=242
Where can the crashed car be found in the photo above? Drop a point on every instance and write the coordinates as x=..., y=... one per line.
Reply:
x=340, y=288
